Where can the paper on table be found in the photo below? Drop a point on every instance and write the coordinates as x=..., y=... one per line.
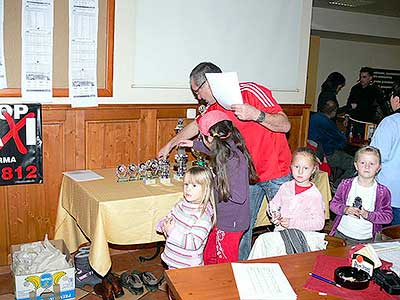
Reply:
x=225, y=88
x=262, y=281
x=389, y=251
x=83, y=175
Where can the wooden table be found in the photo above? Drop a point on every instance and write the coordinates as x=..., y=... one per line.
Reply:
x=217, y=282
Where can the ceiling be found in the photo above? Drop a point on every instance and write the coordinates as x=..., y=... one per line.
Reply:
x=389, y=8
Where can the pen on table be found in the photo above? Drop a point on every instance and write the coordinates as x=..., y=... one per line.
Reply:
x=324, y=279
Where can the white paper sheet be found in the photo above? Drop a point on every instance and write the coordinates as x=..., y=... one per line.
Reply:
x=83, y=175
x=262, y=281
x=225, y=88
x=3, y=78
x=83, y=26
x=389, y=251
x=37, y=50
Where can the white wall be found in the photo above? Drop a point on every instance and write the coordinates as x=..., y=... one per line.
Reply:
x=124, y=63
x=347, y=57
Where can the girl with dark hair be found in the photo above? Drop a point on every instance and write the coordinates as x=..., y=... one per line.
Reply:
x=233, y=170
x=329, y=89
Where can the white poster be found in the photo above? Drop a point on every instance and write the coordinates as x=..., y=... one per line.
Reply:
x=37, y=50
x=3, y=78
x=83, y=26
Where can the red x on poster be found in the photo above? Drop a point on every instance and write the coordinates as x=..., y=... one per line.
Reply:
x=21, y=159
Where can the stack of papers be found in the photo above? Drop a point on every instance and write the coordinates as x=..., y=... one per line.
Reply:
x=83, y=175
x=389, y=251
x=262, y=281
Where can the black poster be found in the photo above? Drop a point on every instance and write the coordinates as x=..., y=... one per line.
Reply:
x=21, y=157
x=384, y=78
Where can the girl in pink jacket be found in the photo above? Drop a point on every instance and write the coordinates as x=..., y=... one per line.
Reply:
x=298, y=203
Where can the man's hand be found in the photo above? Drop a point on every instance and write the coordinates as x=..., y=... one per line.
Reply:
x=245, y=112
x=164, y=152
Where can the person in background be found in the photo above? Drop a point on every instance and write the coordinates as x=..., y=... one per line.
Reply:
x=387, y=138
x=299, y=202
x=188, y=224
x=233, y=169
x=324, y=131
x=361, y=204
x=365, y=97
x=263, y=125
x=330, y=88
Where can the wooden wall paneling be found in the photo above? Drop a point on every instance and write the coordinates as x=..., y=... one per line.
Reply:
x=167, y=119
x=4, y=228
x=147, y=134
x=78, y=139
x=111, y=137
x=19, y=210
x=298, y=116
x=33, y=207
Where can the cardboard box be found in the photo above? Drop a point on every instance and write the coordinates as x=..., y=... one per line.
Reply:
x=54, y=285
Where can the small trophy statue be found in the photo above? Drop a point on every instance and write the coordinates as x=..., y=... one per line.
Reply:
x=133, y=172
x=164, y=171
x=181, y=160
x=122, y=173
x=142, y=171
x=151, y=171
x=181, y=157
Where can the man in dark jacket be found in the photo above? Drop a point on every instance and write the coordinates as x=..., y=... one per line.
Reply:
x=365, y=97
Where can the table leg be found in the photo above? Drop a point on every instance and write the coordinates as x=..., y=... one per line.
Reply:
x=158, y=250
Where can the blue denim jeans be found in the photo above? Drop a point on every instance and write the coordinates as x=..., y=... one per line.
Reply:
x=257, y=192
x=396, y=216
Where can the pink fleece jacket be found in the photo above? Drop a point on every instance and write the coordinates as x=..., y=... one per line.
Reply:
x=305, y=211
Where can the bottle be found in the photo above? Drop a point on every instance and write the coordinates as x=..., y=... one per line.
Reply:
x=351, y=133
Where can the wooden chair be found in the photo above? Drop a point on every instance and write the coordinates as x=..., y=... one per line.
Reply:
x=334, y=242
x=391, y=232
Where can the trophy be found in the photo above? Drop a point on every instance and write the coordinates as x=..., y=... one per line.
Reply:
x=122, y=173
x=181, y=161
x=151, y=167
x=142, y=171
x=133, y=172
x=181, y=157
x=164, y=171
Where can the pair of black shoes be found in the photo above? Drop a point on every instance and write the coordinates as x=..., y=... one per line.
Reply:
x=135, y=281
x=109, y=287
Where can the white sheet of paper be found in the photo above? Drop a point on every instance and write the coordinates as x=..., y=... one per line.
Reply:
x=262, y=281
x=225, y=88
x=83, y=27
x=83, y=175
x=37, y=50
x=389, y=251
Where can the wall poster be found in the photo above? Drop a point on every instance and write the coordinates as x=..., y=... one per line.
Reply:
x=21, y=156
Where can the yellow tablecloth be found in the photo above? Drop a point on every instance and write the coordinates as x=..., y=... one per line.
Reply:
x=124, y=213
x=105, y=211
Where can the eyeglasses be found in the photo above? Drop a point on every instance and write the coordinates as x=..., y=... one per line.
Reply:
x=196, y=91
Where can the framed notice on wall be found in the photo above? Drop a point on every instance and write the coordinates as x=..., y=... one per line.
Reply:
x=21, y=157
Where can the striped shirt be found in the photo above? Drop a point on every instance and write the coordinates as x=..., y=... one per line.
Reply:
x=185, y=244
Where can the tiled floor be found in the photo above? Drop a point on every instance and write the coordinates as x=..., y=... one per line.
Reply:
x=122, y=261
